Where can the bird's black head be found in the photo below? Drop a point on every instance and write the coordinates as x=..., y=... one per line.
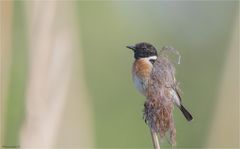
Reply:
x=143, y=50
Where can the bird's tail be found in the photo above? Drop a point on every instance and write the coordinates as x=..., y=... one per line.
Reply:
x=185, y=112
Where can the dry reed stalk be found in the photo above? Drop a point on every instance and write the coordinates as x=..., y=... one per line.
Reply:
x=53, y=94
x=155, y=140
x=224, y=130
x=49, y=75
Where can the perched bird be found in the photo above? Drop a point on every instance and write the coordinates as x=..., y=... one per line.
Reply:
x=154, y=77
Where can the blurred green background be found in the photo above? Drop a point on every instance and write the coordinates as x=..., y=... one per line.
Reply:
x=201, y=31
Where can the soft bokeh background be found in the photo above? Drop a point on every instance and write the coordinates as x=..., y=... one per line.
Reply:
x=65, y=72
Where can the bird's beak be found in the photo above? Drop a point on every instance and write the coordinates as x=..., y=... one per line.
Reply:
x=131, y=47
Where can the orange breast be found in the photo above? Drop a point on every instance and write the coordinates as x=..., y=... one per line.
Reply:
x=141, y=72
x=142, y=68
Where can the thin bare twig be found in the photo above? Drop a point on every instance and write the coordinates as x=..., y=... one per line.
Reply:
x=155, y=140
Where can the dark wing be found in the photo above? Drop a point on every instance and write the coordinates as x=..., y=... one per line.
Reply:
x=164, y=71
x=177, y=93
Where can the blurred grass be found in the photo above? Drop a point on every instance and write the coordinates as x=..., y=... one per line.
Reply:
x=18, y=75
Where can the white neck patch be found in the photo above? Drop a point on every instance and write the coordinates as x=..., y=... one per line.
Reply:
x=152, y=58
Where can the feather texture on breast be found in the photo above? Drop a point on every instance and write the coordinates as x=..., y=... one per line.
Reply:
x=141, y=72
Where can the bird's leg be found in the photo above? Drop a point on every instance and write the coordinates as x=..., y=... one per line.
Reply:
x=155, y=139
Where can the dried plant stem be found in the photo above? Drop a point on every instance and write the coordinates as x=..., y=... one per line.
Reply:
x=155, y=139
x=49, y=75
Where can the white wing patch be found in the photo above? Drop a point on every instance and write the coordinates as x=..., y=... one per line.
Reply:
x=175, y=98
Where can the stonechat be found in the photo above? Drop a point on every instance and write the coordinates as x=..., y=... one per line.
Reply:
x=154, y=77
